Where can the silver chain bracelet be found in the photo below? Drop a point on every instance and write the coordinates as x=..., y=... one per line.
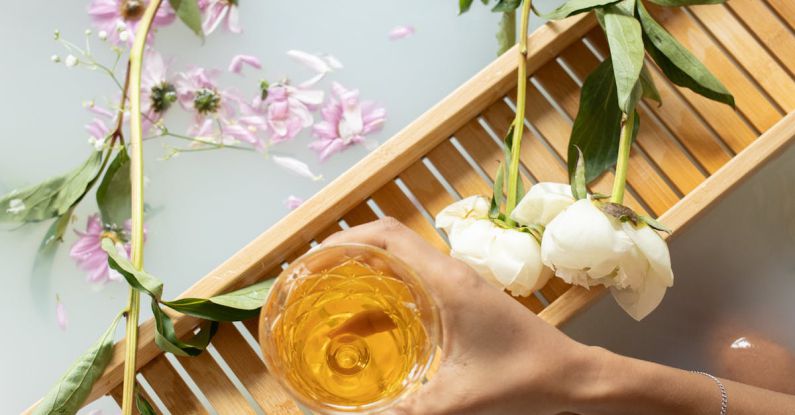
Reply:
x=724, y=397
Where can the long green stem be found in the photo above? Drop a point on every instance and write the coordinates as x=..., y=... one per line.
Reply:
x=518, y=124
x=137, y=196
x=624, y=147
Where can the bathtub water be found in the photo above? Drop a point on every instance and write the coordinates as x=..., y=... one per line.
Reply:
x=734, y=282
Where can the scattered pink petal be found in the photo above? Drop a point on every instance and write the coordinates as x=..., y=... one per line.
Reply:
x=236, y=66
x=60, y=314
x=313, y=62
x=87, y=252
x=296, y=166
x=220, y=11
x=346, y=121
x=293, y=202
x=401, y=32
x=288, y=110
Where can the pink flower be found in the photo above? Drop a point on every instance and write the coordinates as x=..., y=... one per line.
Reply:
x=293, y=202
x=157, y=89
x=236, y=66
x=346, y=121
x=401, y=32
x=97, y=133
x=60, y=314
x=289, y=110
x=87, y=252
x=218, y=11
x=121, y=16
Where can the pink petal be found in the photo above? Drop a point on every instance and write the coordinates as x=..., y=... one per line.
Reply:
x=96, y=109
x=401, y=32
x=233, y=20
x=295, y=166
x=236, y=66
x=60, y=315
x=293, y=202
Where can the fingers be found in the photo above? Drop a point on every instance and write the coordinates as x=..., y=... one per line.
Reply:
x=391, y=235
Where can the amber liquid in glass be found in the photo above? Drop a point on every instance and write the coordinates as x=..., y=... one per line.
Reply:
x=350, y=336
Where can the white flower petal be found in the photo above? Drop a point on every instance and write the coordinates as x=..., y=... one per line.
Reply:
x=542, y=203
x=296, y=166
x=515, y=261
x=470, y=241
x=313, y=62
x=639, y=303
x=472, y=207
x=654, y=248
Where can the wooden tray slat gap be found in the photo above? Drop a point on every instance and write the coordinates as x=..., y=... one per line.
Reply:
x=171, y=388
x=773, y=35
x=785, y=9
x=215, y=385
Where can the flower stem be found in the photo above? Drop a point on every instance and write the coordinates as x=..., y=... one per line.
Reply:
x=518, y=123
x=624, y=147
x=137, y=196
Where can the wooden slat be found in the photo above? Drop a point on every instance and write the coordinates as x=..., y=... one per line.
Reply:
x=691, y=207
x=350, y=188
x=676, y=113
x=219, y=389
x=777, y=37
x=749, y=52
x=428, y=191
x=748, y=97
x=252, y=372
x=393, y=202
x=661, y=148
x=171, y=388
x=359, y=215
x=536, y=157
x=455, y=169
x=785, y=9
x=116, y=394
x=640, y=174
x=531, y=302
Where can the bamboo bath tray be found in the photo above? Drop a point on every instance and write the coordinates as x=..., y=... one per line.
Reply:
x=689, y=152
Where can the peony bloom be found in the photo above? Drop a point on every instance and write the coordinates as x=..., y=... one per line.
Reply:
x=220, y=11
x=542, y=203
x=119, y=18
x=587, y=247
x=401, y=32
x=89, y=255
x=507, y=258
x=157, y=90
x=288, y=110
x=346, y=121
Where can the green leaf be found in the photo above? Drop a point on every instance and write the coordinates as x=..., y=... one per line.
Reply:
x=597, y=127
x=188, y=11
x=572, y=7
x=51, y=198
x=677, y=63
x=143, y=406
x=648, y=87
x=625, y=37
x=654, y=223
x=166, y=338
x=238, y=305
x=464, y=5
x=674, y=3
x=506, y=5
x=497, y=192
x=506, y=33
x=138, y=279
x=113, y=193
x=578, y=188
x=68, y=395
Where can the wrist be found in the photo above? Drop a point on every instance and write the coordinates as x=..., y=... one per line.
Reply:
x=599, y=382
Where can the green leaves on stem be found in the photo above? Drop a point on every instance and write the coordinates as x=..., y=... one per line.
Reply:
x=188, y=11
x=143, y=406
x=626, y=51
x=234, y=306
x=68, y=395
x=677, y=63
x=51, y=198
x=113, y=193
x=572, y=7
x=578, y=186
x=673, y=3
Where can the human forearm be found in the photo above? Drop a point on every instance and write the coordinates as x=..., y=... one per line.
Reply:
x=619, y=385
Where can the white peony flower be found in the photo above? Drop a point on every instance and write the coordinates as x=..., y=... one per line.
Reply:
x=587, y=247
x=542, y=203
x=508, y=258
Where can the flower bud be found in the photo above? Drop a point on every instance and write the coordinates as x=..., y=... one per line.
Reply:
x=55, y=58
x=71, y=61
x=542, y=203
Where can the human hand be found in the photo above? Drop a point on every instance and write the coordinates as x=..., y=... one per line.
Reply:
x=498, y=358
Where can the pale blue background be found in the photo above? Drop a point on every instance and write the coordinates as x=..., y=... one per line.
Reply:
x=734, y=265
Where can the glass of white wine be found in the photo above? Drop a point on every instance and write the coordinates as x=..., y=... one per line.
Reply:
x=350, y=329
